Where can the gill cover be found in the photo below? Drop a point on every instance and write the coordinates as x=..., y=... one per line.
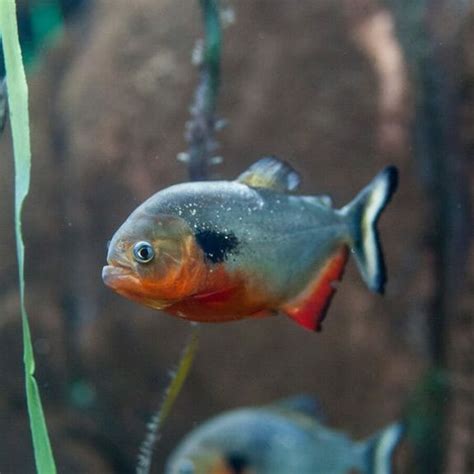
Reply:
x=171, y=269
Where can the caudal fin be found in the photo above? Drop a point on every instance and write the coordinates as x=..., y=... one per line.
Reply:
x=362, y=216
x=377, y=452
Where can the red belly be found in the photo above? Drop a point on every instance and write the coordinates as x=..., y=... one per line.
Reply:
x=228, y=304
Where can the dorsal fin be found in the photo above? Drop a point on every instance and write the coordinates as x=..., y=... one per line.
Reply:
x=302, y=404
x=272, y=173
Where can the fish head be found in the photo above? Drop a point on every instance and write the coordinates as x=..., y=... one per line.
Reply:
x=153, y=259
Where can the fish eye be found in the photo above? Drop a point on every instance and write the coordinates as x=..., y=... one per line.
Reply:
x=143, y=252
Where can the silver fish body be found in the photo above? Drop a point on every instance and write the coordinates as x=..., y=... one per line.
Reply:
x=272, y=441
x=274, y=238
x=225, y=250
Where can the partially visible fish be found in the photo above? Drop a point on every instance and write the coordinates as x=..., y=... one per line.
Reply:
x=226, y=250
x=285, y=438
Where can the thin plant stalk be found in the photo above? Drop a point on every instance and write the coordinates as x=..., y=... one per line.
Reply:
x=172, y=391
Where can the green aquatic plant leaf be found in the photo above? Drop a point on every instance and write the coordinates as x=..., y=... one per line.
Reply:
x=18, y=106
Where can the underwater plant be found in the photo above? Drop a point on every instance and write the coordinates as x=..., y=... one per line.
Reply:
x=172, y=391
x=39, y=24
x=18, y=106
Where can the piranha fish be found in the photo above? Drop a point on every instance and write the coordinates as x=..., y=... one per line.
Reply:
x=284, y=438
x=218, y=251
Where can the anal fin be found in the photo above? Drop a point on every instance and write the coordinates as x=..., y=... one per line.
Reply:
x=309, y=308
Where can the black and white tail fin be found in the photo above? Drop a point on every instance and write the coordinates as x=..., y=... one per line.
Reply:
x=362, y=215
x=377, y=452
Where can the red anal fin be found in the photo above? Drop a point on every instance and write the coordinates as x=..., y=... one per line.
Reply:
x=309, y=308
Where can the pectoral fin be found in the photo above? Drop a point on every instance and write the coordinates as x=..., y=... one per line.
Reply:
x=309, y=308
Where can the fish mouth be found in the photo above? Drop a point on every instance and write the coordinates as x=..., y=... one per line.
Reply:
x=115, y=272
x=122, y=280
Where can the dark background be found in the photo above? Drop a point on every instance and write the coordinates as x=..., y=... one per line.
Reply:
x=109, y=99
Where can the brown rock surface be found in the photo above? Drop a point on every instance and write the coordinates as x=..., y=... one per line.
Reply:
x=108, y=112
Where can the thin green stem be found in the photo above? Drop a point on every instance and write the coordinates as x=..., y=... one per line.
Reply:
x=212, y=51
x=174, y=388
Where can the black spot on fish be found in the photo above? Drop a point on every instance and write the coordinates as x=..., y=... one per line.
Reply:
x=216, y=245
x=237, y=462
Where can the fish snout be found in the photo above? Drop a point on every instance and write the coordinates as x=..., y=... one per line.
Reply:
x=110, y=274
x=115, y=272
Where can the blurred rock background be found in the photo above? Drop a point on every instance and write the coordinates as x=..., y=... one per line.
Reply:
x=323, y=85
